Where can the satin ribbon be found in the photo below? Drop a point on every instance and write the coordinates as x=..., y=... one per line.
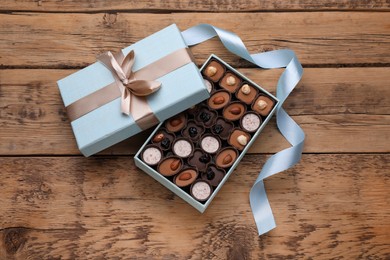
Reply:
x=131, y=86
x=284, y=159
x=128, y=84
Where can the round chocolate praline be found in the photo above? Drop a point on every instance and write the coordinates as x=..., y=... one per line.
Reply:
x=213, y=174
x=185, y=177
x=182, y=147
x=192, y=130
x=222, y=128
x=226, y=157
x=234, y=111
x=170, y=166
x=206, y=117
x=250, y=122
x=219, y=99
x=176, y=123
x=201, y=190
x=199, y=159
x=152, y=155
x=210, y=144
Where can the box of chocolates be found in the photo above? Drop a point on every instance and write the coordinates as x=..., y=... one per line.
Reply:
x=107, y=103
x=194, y=153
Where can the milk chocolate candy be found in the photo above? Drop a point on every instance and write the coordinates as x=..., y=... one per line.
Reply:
x=230, y=82
x=219, y=99
x=214, y=71
x=170, y=166
x=226, y=157
x=176, y=123
x=263, y=105
x=185, y=177
x=234, y=111
x=239, y=139
x=246, y=93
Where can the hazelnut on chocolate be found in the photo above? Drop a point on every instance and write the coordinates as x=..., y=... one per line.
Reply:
x=263, y=105
x=230, y=82
x=247, y=93
x=214, y=70
x=239, y=139
x=245, y=89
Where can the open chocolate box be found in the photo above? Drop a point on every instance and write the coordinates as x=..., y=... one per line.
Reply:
x=194, y=153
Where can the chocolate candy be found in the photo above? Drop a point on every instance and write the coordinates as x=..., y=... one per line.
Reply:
x=214, y=71
x=219, y=99
x=239, y=139
x=222, y=128
x=170, y=166
x=182, y=147
x=152, y=155
x=199, y=159
x=209, y=85
x=263, y=105
x=226, y=157
x=163, y=139
x=176, y=123
x=206, y=117
x=250, y=122
x=210, y=144
x=185, y=177
x=246, y=93
x=234, y=111
x=201, y=190
x=213, y=175
x=230, y=82
x=192, y=130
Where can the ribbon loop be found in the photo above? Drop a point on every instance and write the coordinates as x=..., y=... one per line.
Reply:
x=126, y=81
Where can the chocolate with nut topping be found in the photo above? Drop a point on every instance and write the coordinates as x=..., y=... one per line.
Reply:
x=239, y=139
x=226, y=157
x=234, y=111
x=246, y=93
x=263, y=105
x=163, y=139
x=176, y=123
x=214, y=71
x=219, y=99
x=185, y=177
x=170, y=166
x=230, y=82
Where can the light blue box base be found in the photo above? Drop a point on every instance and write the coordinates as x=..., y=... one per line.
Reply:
x=178, y=191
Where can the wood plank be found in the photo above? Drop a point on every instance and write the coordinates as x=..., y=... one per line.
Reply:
x=47, y=40
x=335, y=107
x=328, y=206
x=186, y=5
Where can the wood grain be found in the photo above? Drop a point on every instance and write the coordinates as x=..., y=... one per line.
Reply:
x=334, y=107
x=44, y=40
x=186, y=5
x=69, y=208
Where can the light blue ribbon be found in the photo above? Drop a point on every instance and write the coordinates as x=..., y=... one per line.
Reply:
x=284, y=159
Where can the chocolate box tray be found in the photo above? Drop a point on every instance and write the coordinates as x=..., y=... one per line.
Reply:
x=194, y=153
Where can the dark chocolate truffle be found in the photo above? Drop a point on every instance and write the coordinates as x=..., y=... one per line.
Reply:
x=263, y=105
x=214, y=71
x=185, y=177
x=234, y=111
x=219, y=99
x=213, y=174
x=226, y=157
x=222, y=128
x=246, y=94
x=170, y=166
x=199, y=159
x=176, y=123
x=201, y=190
x=239, y=139
x=230, y=82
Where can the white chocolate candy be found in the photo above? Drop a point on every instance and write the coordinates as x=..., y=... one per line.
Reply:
x=241, y=139
x=262, y=104
x=201, y=190
x=151, y=156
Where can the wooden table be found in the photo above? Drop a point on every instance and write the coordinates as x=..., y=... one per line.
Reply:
x=56, y=204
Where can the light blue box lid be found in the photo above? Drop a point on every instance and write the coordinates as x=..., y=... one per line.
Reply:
x=106, y=126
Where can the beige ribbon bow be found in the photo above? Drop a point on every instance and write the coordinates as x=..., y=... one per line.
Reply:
x=131, y=85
